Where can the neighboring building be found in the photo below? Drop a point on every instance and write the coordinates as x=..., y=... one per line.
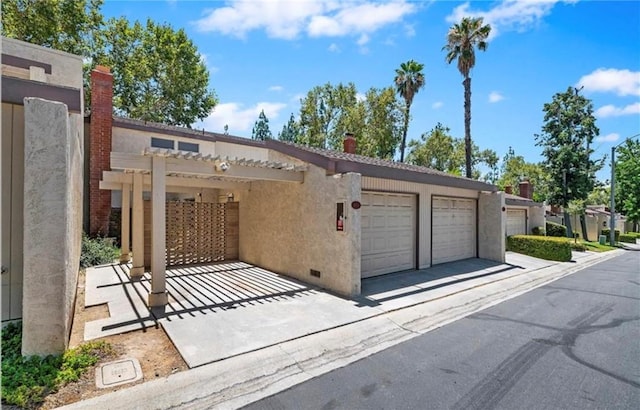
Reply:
x=41, y=162
x=328, y=218
x=523, y=213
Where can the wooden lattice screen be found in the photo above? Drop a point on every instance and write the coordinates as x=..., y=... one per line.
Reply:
x=197, y=232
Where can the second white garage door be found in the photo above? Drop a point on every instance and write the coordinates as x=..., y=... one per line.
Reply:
x=516, y=222
x=453, y=232
x=388, y=233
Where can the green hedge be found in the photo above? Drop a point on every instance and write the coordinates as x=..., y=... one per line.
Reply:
x=606, y=232
x=97, y=251
x=554, y=229
x=543, y=247
x=629, y=237
x=539, y=230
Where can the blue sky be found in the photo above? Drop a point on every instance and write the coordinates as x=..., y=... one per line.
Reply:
x=268, y=54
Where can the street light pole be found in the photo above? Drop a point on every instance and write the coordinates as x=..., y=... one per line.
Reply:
x=612, y=208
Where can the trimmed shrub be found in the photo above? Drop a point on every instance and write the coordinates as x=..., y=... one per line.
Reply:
x=554, y=229
x=553, y=249
x=606, y=232
x=539, y=230
x=578, y=246
x=97, y=251
x=628, y=238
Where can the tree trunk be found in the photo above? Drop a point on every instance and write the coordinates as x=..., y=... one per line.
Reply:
x=403, y=143
x=567, y=224
x=467, y=125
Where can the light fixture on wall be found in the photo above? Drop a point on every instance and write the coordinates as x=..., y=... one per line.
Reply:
x=230, y=197
x=223, y=166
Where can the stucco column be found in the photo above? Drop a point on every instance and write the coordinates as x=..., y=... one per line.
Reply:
x=492, y=220
x=124, y=225
x=158, y=295
x=137, y=269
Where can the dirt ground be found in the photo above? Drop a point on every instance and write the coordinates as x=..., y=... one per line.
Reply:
x=157, y=355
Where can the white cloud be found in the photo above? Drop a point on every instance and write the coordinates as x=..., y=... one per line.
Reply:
x=360, y=97
x=364, y=39
x=495, y=96
x=204, y=58
x=507, y=15
x=286, y=19
x=334, y=48
x=608, y=138
x=276, y=88
x=239, y=118
x=613, y=111
x=621, y=82
x=437, y=105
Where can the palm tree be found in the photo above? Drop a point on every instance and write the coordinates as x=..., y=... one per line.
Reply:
x=462, y=40
x=409, y=80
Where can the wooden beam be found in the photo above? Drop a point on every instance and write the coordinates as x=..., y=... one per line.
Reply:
x=113, y=181
x=158, y=294
x=137, y=269
x=125, y=223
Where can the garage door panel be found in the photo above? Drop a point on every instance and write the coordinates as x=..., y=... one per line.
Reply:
x=453, y=229
x=516, y=222
x=388, y=235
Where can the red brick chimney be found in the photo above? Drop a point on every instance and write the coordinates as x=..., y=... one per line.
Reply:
x=508, y=189
x=526, y=189
x=349, y=143
x=100, y=148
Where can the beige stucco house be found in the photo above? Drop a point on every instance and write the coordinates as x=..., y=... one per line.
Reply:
x=523, y=213
x=327, y=218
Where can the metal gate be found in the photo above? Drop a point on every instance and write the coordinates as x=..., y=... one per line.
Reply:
x=196, y=232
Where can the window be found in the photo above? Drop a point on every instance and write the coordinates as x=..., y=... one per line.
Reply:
x=188, y=146
x=161, y=143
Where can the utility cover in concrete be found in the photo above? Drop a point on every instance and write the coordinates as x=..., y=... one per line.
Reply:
x=118, y=372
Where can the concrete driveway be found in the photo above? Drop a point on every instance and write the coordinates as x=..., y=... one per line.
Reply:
x=222, y=310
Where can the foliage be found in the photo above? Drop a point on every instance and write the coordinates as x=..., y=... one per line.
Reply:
x=627, y=180
x=628, y=237
x=555, y=229
x=567, y=134
x=67, y=25
x=27, y=380
x=462, y=40
x=539, y=230
x=578, y=246
x=600, y=195
x=261, y=129
x=607, y=232
x=544, y=247
x=441, y=151
x=158, y=72
x=290, y=131
x=514, y=169
x=409, y=80
x=97, y=251
x=328, y=112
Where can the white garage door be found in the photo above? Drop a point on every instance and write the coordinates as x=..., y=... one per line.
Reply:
x=516, y=222
x=453, y=232
x=388, y=233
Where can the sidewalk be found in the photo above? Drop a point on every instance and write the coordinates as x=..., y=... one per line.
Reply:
x=412, y=308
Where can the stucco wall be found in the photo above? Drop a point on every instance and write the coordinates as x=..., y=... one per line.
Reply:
x=492, y=220
x=52, y=224
x=66, y=69
x=291, y=228
x=536, y=217
x=425, y=193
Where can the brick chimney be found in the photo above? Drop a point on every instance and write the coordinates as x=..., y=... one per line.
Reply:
x=526, y=189
x=349, y=143
x=100, y=148
x=508, y=189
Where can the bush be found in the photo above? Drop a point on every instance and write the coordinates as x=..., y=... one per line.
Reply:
x=27, y=380
x=607, y=232
x=628, y=237
x=578, y=246
x=539, y=230
x=553, y=249
x=554, y=229
x=97, y=251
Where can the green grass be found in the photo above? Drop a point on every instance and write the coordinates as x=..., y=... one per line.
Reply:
x=27, y=380
x=596, y=247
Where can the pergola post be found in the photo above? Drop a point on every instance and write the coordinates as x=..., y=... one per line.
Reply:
x=125, y=224
x=137, y=269
x=158, y=294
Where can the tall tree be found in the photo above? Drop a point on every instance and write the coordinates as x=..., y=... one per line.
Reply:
x=409, y=80
x=462, y=40
x=261, y=129
x=382, y=115
x=567, y=134
x=627, y=183
x=514, y=169
x=290, y=131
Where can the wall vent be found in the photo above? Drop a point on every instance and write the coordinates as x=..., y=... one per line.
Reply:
x=314, y=272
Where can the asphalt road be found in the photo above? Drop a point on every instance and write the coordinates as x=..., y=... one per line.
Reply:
x=572, y=344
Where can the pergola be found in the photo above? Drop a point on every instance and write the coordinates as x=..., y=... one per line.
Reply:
x=160, y=171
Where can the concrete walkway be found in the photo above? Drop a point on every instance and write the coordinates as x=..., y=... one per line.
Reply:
x=290, y=338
